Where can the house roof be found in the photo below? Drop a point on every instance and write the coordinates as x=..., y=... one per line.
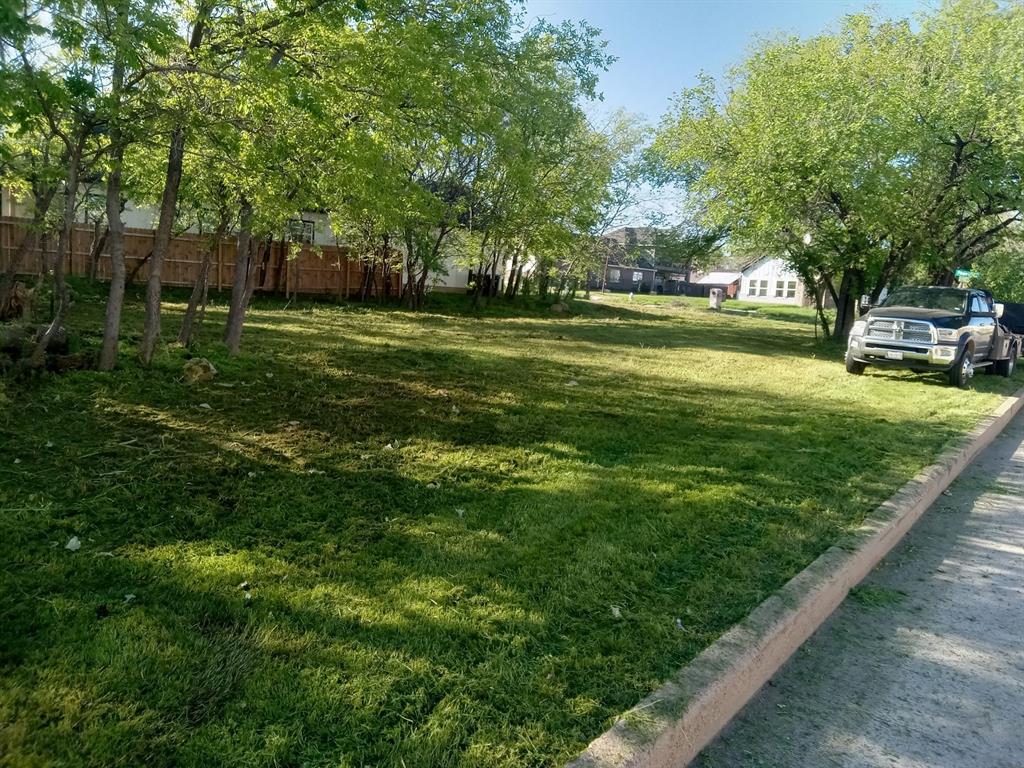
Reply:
x=719, y=278
x=750, y=265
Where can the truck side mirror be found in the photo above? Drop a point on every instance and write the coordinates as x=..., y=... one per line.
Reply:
x=865, y=302
x=999, y=309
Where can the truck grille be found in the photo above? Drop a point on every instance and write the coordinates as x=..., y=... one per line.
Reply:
x=901, y=330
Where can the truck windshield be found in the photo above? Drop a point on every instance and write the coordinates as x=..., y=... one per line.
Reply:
x=952, y=299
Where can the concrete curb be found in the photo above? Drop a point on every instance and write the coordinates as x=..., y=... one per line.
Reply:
x=671, y=726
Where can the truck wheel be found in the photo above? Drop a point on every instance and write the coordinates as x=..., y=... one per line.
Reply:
x=1008, y=366
x=854, y=366
x=961, y=373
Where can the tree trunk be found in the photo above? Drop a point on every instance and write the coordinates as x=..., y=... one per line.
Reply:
x=115, y=238
x=187, y=322
x=99, y=241
x=850, y=287
x=408, y=293
x=130, y=280
x=369, y=266
x=240, y=283
x=44, y=250
x=168, y=208
x=267, y=262
x=262, y=248
x=202, y=282
x=819, y=307
x=543, y=284
x=115, y=246
x=510, y=288
x=161, y=244
x=518, y=280
x=60, y=289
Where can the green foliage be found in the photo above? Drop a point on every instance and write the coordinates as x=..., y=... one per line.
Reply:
x=1002, y=270
x=864, y=153
x=406, y=122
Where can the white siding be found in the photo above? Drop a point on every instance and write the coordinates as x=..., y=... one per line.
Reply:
x=456, y=281
x=771, y=281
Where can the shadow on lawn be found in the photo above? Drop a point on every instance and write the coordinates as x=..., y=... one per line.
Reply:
x=443, y=601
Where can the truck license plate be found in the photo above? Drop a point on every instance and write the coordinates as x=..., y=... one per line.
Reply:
x=893, y=354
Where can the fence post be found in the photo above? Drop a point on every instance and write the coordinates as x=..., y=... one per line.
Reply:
x=348, y=275
x=220, y=264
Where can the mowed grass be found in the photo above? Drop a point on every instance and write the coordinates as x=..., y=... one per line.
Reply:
x=467, y=540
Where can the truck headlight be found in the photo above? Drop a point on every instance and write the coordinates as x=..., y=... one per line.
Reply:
x=858, y=329
x=947, y=334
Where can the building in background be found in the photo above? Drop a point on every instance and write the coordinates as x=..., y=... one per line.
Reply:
x=771, y=281
x=637, y=276
x=633, y=265
x=729, y=282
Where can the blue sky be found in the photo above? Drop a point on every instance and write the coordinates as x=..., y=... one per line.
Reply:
x=662, y=45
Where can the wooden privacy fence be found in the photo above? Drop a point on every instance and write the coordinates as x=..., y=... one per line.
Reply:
x=326, y=270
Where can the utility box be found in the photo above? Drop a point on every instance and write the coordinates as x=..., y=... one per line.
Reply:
x=1001, y=346
x=715, y=298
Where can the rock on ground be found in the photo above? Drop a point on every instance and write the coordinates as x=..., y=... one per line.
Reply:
x=198, y=369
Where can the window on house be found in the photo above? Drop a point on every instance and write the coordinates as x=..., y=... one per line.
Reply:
x=638, y=276
x=300, y=231
x=758, y=288
x=752, y=287
x=614, y=275
x=780, y=289
x=791, y=289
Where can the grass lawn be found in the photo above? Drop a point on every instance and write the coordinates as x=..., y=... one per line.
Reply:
x=469, y=540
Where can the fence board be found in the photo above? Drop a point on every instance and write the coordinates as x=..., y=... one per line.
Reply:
x=312, y=272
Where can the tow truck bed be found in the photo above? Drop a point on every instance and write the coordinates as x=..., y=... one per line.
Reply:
x=1013, y=318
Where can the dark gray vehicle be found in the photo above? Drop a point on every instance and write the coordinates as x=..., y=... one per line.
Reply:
x=933, y=329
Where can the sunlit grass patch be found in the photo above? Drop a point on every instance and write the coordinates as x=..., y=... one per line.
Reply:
x=420, y=539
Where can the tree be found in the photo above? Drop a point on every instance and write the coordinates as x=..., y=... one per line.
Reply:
x=55, y=104
x=687, y=245
x=181, y=114
x=862, y=153
x=406, y=122
x=1002, y=269
x=115, y=43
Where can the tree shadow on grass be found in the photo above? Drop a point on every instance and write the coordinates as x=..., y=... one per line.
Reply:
x=434, y=547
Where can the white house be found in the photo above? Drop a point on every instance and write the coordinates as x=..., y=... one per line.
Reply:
x=771, y=281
